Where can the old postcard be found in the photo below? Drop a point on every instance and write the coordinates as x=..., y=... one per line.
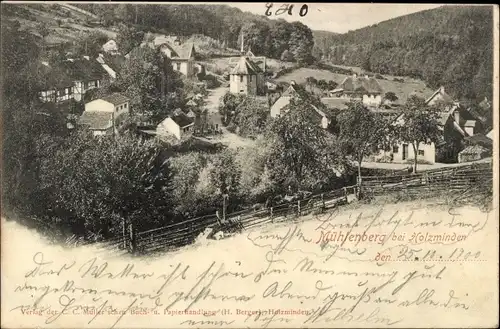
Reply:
x=249, y=165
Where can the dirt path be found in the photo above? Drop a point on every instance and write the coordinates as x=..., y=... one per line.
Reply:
x=227, y=138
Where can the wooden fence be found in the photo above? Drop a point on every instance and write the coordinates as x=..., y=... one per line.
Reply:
x=431, y=181
x=183, y=233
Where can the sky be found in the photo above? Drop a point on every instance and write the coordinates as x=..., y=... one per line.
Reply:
x=338, y=17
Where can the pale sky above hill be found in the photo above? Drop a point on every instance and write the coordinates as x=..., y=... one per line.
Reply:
x=338, y=17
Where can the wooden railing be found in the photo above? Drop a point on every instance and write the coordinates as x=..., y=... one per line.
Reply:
x=183, y=233
x=179, y=234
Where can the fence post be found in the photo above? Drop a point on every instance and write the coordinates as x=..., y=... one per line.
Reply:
x=298, y=207
x=322, y=202
x=124, y=234
x=345, y=193
x=132, y=238
x=271, y=214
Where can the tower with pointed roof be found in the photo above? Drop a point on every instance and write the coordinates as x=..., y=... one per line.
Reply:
x=243, y=77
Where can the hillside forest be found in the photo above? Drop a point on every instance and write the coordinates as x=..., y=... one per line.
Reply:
x=265, y=37
x=449, y=46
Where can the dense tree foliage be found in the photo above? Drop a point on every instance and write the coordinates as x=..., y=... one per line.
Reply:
x=361, y=132
x=299, y=150
x=95, y=184
x=419, y=124
x=450, y=46
x=223, y=23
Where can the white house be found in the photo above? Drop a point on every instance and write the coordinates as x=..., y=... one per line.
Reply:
x=363, y=88
x=110, y=47
x=182, y=56
x=281, y=106
x=243, y=78
x=101, y=115
x=179, y=125
x=452, y=122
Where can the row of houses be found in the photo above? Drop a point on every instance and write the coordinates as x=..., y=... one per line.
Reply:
x=456, y=123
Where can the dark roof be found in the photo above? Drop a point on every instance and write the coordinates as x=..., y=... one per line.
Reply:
x=116, y=62
x=116, y=99
x=182, y=51
x=360, y=85
x=479, y=139
x=445, y=98
x=335, y=103
x=246, y=67
x=53, y=77
x=83, y=69
x=96, y=120
x=182, y=119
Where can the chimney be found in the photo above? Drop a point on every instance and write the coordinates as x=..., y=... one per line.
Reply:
x=354, y=75
x=441, y=89
x=292, y=83
x=177, y=41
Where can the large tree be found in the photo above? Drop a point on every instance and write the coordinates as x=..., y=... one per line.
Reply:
x=361, y=132
x=94, y=185
x=149, y=80
x=417, y=125
x=301, y=42
x=299, y=150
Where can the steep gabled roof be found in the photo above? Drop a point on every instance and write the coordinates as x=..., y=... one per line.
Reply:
x=245, y=67
x=116, y=99
x=361, y=85
x=83, y=69
x=182, y=51
x=53, y=77
x=181, y=119
x=445, y=98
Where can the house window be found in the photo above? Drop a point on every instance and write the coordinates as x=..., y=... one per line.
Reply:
x=421, y=152
x=178, y=66
x=241, y=78
x=395, y=149
x=250, y=78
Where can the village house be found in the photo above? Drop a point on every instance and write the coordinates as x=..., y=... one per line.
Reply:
x=281, y=105
x=179, y=124
x=363, y=88
x=246, y=78
x=110, y=47
x=70, y=79
x=182, y=55
x=456, y=124
x=103, y=114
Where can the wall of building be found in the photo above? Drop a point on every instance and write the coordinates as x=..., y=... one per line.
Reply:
x=426, y=152
x=243, y=84
x=168, y=126
x=184, y=67
x=99, y=105
x=278, y=105
x=372, y=100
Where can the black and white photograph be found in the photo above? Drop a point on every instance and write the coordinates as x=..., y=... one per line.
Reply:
x=249, y=165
